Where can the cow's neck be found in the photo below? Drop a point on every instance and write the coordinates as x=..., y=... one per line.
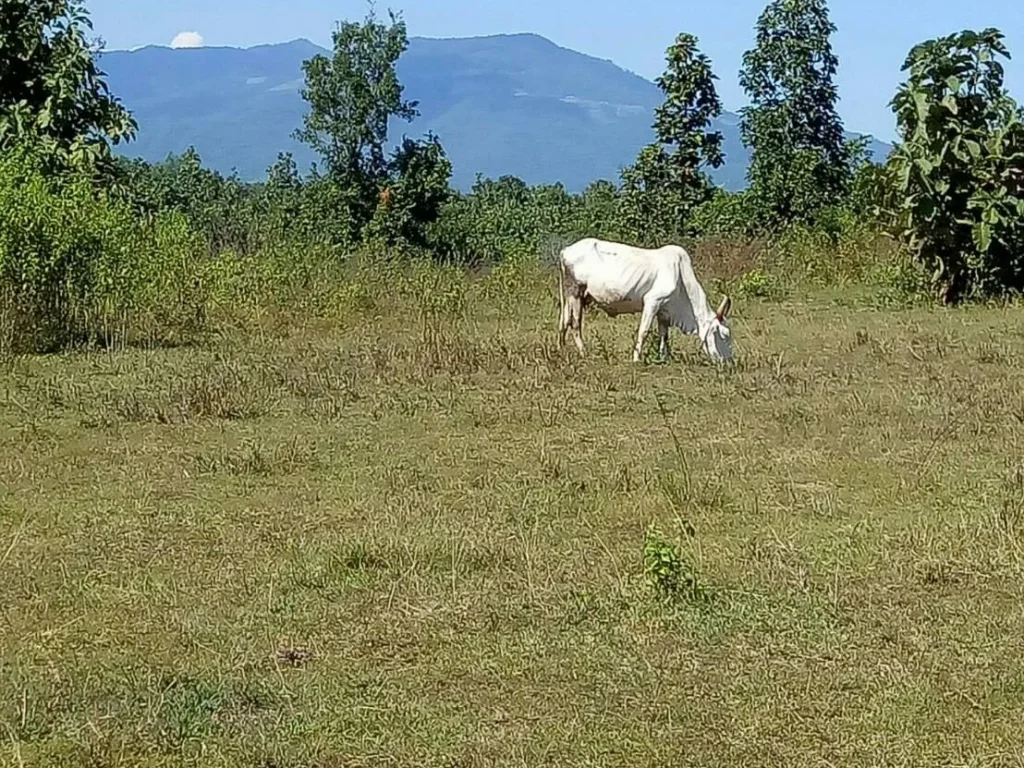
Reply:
x=690, y=318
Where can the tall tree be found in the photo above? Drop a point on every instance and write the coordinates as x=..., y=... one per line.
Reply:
x=799, y=158
x=682, y=122
x=668, y=181
x=352, y=95
x=50, y=86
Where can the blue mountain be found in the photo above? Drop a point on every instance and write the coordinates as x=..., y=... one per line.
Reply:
x=503, y=104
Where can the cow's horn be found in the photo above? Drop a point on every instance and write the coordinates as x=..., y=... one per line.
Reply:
x=723, y=308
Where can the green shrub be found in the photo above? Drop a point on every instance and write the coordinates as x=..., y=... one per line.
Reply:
x=960, y=167
x=80, y=267
x=667, y=573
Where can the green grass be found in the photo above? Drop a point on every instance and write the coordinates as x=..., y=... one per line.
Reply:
x=369, y=541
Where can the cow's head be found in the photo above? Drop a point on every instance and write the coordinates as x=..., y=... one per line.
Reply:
x=717, y=337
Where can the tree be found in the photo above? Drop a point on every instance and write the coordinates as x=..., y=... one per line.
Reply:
x=351, y=97
x=598, y=214
x=667, y=180
x=959, y=167
x=649, y=204
x=682, y=121
x=51, y=89
x=800, y=160
x=415, y=194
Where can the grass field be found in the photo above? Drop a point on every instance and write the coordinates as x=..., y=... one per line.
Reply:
x=379, y=540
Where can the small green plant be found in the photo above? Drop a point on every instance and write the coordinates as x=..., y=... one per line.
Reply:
x=757, y=284
x=665, y=570
x=188, y=710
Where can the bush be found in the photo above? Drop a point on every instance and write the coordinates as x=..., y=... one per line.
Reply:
x=77, y=266
x=960, y=167
x=726, y=213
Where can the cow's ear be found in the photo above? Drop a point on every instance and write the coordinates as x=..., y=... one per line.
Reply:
x=723, y=309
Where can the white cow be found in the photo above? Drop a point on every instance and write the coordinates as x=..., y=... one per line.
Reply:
x=659, y=283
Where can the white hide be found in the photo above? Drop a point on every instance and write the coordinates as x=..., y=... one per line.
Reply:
x=658, y=283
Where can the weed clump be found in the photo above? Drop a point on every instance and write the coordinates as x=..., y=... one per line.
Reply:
x=667, y=572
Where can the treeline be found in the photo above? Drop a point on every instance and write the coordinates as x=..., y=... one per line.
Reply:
x=91, y=242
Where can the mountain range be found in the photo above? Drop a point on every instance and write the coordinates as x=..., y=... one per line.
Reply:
x=503, y=104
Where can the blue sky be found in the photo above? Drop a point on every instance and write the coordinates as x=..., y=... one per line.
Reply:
x=872, y=42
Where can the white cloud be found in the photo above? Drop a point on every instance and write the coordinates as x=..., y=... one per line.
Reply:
x=187, y=40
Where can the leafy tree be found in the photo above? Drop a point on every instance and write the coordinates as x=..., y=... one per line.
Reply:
x=683, y=120
x=667, y=181
x=417, y=192
x=649, y=203
x=599, y=207
x=800, y=161
x=51, y=90
x=960, y=166
x=351, y=97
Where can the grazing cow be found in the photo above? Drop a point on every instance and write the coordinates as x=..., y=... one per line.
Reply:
x=659, y=283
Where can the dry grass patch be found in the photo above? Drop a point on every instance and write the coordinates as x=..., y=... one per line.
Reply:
x=432, y=538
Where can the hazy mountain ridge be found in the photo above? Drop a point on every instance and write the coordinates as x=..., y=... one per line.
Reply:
x=503, y=104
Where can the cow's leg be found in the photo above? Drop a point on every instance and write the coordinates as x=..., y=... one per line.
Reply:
x=576, y=313
x=564, y=321
x=651, y=308
x=563, y=300
x=663, y=349
x=573, y=294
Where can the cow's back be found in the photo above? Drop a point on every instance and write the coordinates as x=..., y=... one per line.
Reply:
x=615, y=273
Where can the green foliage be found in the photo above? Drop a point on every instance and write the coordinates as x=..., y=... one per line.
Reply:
x=51, y=91
x=691, y=103
x=217, y=206
x=757, y=283
x=236, y=216
x=290, y=209
x=722, y=214
x=667, y=181
x=416, y=195
x=899, y=282
x=960, y=166
x=650, y=204
x=80, y=266
x=503, y=219
x=800, y=161
x=598, y=214
x=351, y=97
x=667, y=573
x=682, y=121
x=874, y=193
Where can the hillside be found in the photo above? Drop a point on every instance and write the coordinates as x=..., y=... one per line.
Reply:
x=504, y=104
